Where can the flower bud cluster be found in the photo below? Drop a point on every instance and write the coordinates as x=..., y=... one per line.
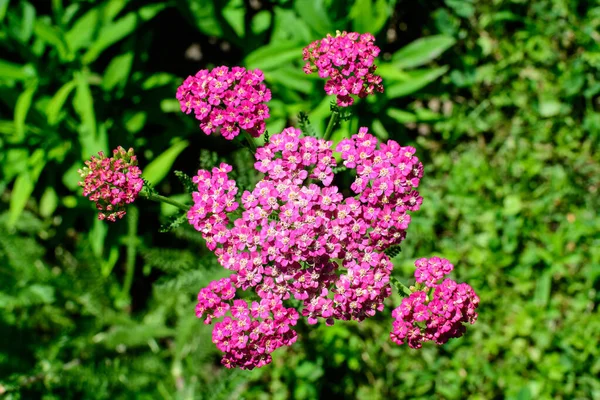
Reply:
x=111, y=182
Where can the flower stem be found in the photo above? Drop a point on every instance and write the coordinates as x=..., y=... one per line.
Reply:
x=400, y=287
x=250, y=141
x=163, y=199
x=335, y=116
x=132, y=228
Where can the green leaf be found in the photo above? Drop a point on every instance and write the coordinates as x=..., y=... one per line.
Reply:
x=55, y=105
x=292, y=79
x=83, y=102
x=422, y=51
x=3, y=8
x=135, y=122
x=369, y=17
x=234, y=15
x=97, y=236
x=426, y=115
x=315, y=16
x=9, y=70
x=389, y=72
x=109, y=264
x=202, y=14
x=159, y=168
x=26, y=22
x=22, y=108
x=24, y=185
x=273, y=56
x=119, y=29
x=54, y=37
x=39, y=294
x=117, y=71
x=170, y=105
x=260, y=22
x=109, y=35
x=379, y=130
x=71, y=177
x=418, y=79
x=549, y=107
x=83, y=30
x=159, y=79
x=288, y=27
x=111, y=9
x=48, y=202
x=401, y=116
x=542, y=289
x=512, y=205
x=462, y=8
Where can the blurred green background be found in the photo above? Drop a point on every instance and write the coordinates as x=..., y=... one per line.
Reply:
x=500, y=97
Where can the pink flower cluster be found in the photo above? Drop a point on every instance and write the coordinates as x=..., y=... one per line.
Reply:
x=112, y=182
x=299, y=237
x=226, y=100
x=214, y=199
x=437, y=312
x=347, y=60
x=249, y=334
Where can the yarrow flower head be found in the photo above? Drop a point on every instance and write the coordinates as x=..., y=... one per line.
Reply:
x=226, y=101
x=112, y=182
x=299, y=236
x=347, y=61
x=437, y=312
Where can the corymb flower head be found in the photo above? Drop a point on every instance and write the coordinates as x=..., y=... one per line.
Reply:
x=346, y=61
x=438, y=311
x=226, y=101
x=112, y=182
x=298, y=235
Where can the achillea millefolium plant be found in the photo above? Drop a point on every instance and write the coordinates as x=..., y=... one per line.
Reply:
x=302, y=242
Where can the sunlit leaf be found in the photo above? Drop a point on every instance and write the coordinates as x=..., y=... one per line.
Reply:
x=48, y=202
x=401, y=116
x=83, y=30
x=418, y=79
x=369, y=17
x=119, y=29
x=117, y=71
x=314, y=14
x=161, y=165
x=53, y=36
x=9, y=70
x=422, y=51
x=22, y=108
x=55, y=105
x=24, y=185
x=273, y=56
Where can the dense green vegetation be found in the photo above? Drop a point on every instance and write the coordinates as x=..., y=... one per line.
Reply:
x=500, y=98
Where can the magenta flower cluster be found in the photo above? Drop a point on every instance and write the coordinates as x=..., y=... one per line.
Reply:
x=437, y=312
x=112, y=182
x=226, y=101
x=347, y=61
x=247, y=335
x=298, y=236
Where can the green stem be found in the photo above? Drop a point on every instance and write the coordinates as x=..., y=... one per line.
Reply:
x=163, y=199
x=402, y=289
x=335, y=116
x=250, y=141
x=132, y=227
